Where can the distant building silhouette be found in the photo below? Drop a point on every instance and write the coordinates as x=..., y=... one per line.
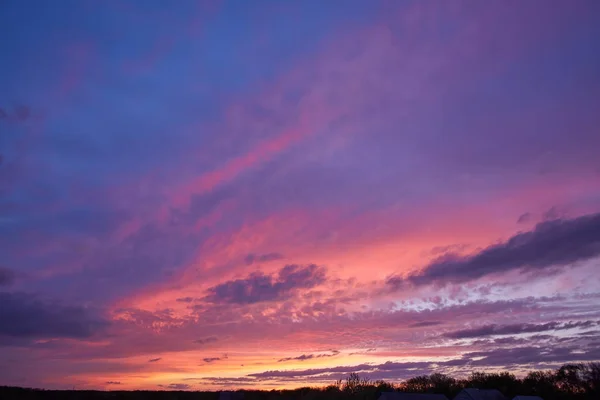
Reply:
x=480, y=394
x=411, y=396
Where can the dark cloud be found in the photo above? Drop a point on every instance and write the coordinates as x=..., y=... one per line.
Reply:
x=526, y=217
x=305, y=357
x=209, y=360
x=528, y=355
x=258, y=258
x=489, y=330
x=185, y=299
x=207, y=340
x=155, y=359
x=312, y=371
x=179, y=386
x=25, y=316
x=424, y=324
x=388, y=369
x=258, y=287
x=113, y=383
x=549, y=244
x=221, y=381
x=7, y=276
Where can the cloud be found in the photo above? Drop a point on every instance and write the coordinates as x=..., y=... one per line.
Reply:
x=258, y=258
x=179, y=386
x=185, y=299
x=222, y=381
x=489, y=330
x=532, y=355
x=7, y=276
x=423, y=324
x=207, y=340
x=209, y=360
x=388, y=369
x=258, y=287
x=549, y=244
x=25, y=316
x=305, y=357
x=309, y=372
x=554, y=213
x=523, y=218
x=155, y=359
x=113, y=383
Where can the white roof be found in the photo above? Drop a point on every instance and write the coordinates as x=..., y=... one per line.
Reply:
x=411, y=396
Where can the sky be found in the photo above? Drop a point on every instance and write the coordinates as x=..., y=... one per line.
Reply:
x=267, y=194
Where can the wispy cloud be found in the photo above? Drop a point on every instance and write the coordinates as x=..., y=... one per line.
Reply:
x=211, y=339
x=305, y=357
x=489, y=330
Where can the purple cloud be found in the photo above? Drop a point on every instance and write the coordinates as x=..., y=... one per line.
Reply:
x=489, y=330
x=424, y=324
x=523, y=218
x=260, y=258
x=25, y=315
x=258, y=287
x=550, y=243
x=179, y=386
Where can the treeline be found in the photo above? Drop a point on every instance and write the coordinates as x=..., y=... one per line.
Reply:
x=572, y=381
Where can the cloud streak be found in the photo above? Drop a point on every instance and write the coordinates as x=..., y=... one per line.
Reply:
x=552, y=243
x=490, y=330
x=305, y=357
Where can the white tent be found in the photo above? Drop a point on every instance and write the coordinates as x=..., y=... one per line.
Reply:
x=479, y=394
x=411, y=396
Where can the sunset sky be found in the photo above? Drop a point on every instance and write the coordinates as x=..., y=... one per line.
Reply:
x=266, y=194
